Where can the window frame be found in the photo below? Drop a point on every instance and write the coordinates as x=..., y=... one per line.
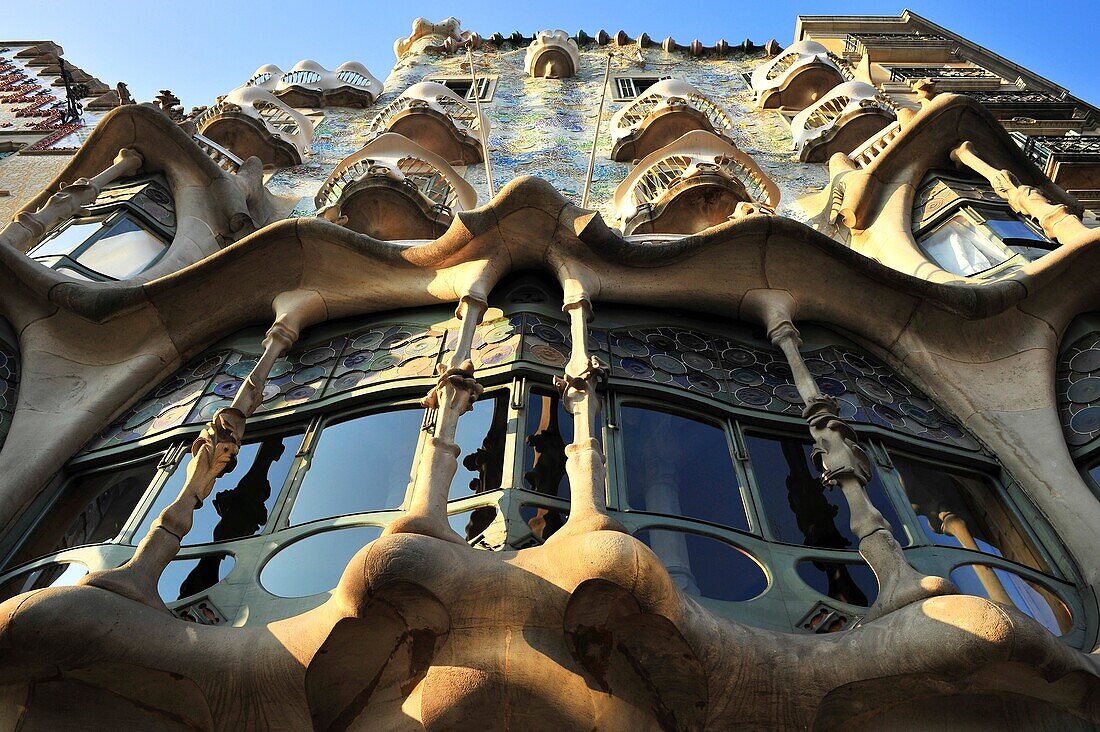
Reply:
x=618, y=83
x=487, y=85
x=109, y=220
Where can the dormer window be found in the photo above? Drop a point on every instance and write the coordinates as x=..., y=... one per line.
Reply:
x=463, y=86
x=128, y=228
x=626, y=88
x=967, y=229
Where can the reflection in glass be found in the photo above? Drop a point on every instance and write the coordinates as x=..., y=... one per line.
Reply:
x=850, y=582
x=183, y=577
x=68, y=239
x=480, y=437
x=549, y=430
x=963, y=247
x=479, y=528
x=797, y=507
x=91, y=509
x=543, y=521
x=240, y=510
x=1011, y=589
x=680, y=467
x=124, y=250
x=61, y=574
x=314, y=564
x=709, y=567
x=359, y=465
x=965, y=510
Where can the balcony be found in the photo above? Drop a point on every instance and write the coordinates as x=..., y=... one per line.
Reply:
x=394, y=189
x=552, y=55
x=946, y=77
x=310, y=85
x=796, y=78
x=663, y=113
x=1035, y=112
x=1071, y=161
x=225, y=159
x=898, y=47
x=849, y=115
x=435, y=118
x=693, y=184
x=251, y=121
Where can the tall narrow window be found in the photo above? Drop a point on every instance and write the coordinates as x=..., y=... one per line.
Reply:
x=242, y=498
x=91, y=509
x=799, y=509
x=966, y=510
x=481, y=435
x=359, y=465
x=680, y=466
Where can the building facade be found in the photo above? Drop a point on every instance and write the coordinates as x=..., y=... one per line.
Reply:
x=562, y=382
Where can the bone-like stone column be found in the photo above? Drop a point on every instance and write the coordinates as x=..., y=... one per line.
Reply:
x=1057, y=221
x=844, y=464
x=28, y=227
x=584, y=462
x=454, y=394
x=212, y=454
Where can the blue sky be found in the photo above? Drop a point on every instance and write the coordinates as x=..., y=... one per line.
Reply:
x=202, y=48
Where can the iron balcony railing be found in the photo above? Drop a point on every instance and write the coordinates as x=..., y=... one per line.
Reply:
x=1063, y=148
x=423, y=177
x=912, y=73
x=857, y=43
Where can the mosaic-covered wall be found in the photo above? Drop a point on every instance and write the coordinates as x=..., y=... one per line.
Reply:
x=543, y=127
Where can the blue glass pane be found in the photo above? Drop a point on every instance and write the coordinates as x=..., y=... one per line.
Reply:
x=186, y=577
x=1010, y=588
x=359, y=465
x=314, y=564
x=706, y=567
x=797, y=507
x=480, y=437
x=61, y=574
x=549, y=430
x=1013, y=229
x=242, y=499
x=680, y=467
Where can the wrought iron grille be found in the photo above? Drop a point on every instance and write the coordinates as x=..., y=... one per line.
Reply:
x=912, y=73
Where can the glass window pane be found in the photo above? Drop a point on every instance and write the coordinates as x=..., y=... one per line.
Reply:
x=481, y=435
x=706, y=567
x=68, y=239
x=850, y=582
x=92, y=509
x=242, y=499
x=186, y=577
x=542, y=521
x=797, y=507
x=359, y=465
x=314, y=564
x=1010, y=588
x=60, y=574
x=680, y=467
x=966, y=510
x=123, y=251
x=962, y=247
x=549, y=430
x=479, y=527
x=1012, y=228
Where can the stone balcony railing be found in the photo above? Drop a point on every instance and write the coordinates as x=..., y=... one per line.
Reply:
x=662, y=114
x=225, y=159
x=252, y=121
x=800, y=75
x=846, y=117
x=394, y=189
x=693, y=184
x=310, y=85
x=438, y=120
